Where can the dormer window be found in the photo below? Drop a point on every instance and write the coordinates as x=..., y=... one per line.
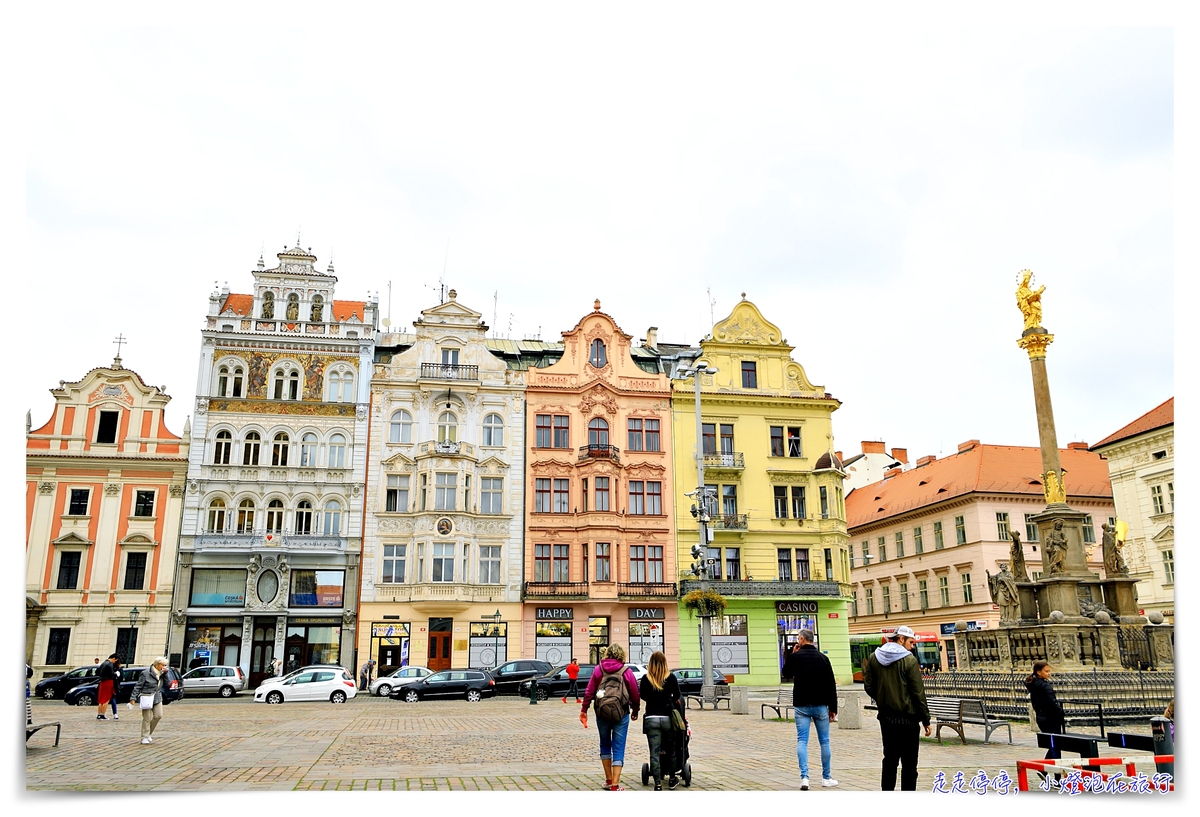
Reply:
x=268, y=305
x=597, y=356
x=318, y=309
x=106, y=428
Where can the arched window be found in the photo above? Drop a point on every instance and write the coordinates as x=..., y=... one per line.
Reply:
x=598, y=431
x=268, y=305
x=275, y=516
x=216, y=516
x=224, y=444
x=447, y=428
x=598, y=357
x=308, y=450
x=318, y=308
x=293, y=388
x=250, y=448
x=245, y=516
x=337, y=451
x=400, y=430
x=304, y=515
x=493, y=430
x=279, y=451
x=335, y=387
x=333, y=518
x=222, y=381
x=237, y=381
x=287, y=384
x=279, y=384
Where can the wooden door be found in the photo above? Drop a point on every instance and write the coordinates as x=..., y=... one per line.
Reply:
x=439, y=651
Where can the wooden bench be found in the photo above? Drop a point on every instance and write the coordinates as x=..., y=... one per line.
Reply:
x=721, y=693
x=956, y=713
x=947, y=713
x=32, y=728
x=782, y=705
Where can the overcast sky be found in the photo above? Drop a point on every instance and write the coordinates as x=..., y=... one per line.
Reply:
x=875, y=190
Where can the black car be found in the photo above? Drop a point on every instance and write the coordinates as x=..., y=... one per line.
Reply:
x=509, y=676
x=691, y=679
x=60, y=685
x=471, y=684
x=88, y=694
x=555, y=683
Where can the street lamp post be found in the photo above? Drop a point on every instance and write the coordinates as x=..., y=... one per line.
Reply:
x=700, y=551
x=133, y=617
x=495, y=638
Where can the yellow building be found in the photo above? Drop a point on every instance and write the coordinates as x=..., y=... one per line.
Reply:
x=779, y=532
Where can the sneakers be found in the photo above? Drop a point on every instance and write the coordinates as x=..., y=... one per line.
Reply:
x=804, y=784
x=828, y=783
x=658, y=786
x=617, y=787
x=672, y=783
x=116, y=717
x=101, y=718
x=577, y=700
x=150, y=739
x=145, y=741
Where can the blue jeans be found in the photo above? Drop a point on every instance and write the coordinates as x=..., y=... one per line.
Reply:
x=612, y=739
x=820, y=716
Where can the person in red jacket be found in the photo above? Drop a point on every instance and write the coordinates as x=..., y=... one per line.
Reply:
x=573, y=674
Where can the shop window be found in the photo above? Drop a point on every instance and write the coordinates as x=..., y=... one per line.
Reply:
x=316, y=588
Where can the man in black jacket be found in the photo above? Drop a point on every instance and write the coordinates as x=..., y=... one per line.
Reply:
x=814, y=699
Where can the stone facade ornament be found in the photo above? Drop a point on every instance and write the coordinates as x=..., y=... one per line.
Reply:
x=175, y=490
x=202, y=405
x=193, y=486
x=178, y=618
x=348, y=618
x=46, y=487
x=112, y=489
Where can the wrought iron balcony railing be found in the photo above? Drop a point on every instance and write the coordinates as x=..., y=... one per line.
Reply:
x=449, y=371
x=595, y=451
x=769, y=588
x=731, y=459
x=647, y=589
x=730, y=521
x=555, y=589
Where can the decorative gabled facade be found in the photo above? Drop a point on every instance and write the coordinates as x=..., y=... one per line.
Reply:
x=104, y=489
x=442, y=549
x=271, y=535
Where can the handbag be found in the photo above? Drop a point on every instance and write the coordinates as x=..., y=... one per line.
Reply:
x=677, y=721
x=146, y=701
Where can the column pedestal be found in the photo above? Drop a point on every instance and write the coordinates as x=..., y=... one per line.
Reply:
x=1027, y=595
x=1120, y=596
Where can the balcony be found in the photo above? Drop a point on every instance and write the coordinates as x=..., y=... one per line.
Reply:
x=440, y=591
x=596, y=451
x=732, y=460
x=556, y=590
x=771, y=589
x=643, y=590
x=730, y=521
x=250, y=541
x=448, y=371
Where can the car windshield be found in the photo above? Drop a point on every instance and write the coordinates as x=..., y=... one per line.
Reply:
x=439, y=676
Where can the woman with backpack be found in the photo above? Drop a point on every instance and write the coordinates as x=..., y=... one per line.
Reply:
x=615, y=692
x=659, y=688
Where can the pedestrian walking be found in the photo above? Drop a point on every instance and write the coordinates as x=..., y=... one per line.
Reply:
x=814, y=701
x=276, y=665
x=364, y=674
x=148, y=694
x=116, y=687
x=659, y=688
x=105, y=692
x=616, y=695
x=892, y=678
x=573, y=675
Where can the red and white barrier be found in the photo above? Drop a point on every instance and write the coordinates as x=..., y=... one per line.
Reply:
x=1080, y=766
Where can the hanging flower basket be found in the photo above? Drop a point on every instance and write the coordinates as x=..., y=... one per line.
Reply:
x=704, y=603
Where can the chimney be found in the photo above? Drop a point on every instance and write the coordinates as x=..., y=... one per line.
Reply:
x=967, y=446
x=892, y=472
x=926, y=460
x=1077, y=446
x=869, y=447
x=838, y=454
x=900, y=455
x=652, y=337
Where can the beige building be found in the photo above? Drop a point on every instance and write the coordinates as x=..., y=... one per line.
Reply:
x=1141, y=466
x=104, y=490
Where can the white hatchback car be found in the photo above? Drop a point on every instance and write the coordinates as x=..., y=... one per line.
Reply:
x=331, y=684
x=404, y=675
x=638, y=670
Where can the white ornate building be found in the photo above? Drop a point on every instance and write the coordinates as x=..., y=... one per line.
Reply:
x=271, y=533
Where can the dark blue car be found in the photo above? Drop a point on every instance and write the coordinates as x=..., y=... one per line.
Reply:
x=87, y=694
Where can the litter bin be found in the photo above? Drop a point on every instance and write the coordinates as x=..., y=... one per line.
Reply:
x=850, y=709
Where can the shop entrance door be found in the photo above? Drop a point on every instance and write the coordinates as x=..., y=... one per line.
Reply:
x=597, y=638
x=440, y=632
x=262, y=650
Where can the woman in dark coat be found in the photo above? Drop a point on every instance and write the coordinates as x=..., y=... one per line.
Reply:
x=659, y=690
x=1049, y=712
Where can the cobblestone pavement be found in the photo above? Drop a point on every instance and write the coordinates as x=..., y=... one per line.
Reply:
x=499, y=744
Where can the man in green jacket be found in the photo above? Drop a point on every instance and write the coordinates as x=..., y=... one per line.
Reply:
x=892, y=677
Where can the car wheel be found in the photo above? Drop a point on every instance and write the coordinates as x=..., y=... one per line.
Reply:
x=227, y=691
x=85, y=700
x=411, y=696
x=384, y=690
x=473, y=695
x=274, y=697
x=543, y=694
x=338, y=697
x=48, y=693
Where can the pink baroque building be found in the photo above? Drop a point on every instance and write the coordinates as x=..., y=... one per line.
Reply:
x=599, y=535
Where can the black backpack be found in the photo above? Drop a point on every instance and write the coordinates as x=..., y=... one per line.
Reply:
x=612, y=696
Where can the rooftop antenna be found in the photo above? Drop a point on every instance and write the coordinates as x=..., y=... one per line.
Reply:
x=510, y=317
x=442, y=280
x=495, y=304
x=712, y=302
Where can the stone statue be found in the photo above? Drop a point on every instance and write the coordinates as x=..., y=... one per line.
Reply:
x=1056, y=549
x=1029, y=301
x=1089, y=609
x=293, y=308
x=1003, y=587
x=1114, y=563
x=1017, y=553
x=268, y=306
x=318, y=310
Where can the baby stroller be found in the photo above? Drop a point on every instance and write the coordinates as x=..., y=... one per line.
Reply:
x=673, y=759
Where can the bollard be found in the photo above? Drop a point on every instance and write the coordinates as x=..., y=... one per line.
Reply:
x=533, y=691
x=739, y=700
x=1164, y=742
x=850, y=710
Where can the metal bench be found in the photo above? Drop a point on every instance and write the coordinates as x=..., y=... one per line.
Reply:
x=947, y=713
x=973, y=710
x=1087, y=746
x=782, y=705
x=32, y=728
x=720, y=693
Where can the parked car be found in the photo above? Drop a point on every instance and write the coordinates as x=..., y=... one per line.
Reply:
x=639, y=670
x=331, y=684
x=59, y=685
x=218, y=680
x=279, y=679
x=402, y=676
x=471, y=684
x=555, y=683
x=509, y=676
x=692, y=678
x=87, y=694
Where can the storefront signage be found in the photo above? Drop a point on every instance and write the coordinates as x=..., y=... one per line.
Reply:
x=211, y=620
x=646, y=613
x=833, y=615
x=555, y=613
x=948, y=629
x=327, y=622
x=389, y=630
x=795, y=607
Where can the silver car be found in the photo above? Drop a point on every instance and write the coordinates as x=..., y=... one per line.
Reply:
x=405, y=675
x=218, y=680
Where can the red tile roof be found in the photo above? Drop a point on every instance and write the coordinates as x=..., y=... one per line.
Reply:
x=1005, y=469
x=342, y=310
x=1157, y=417
x=240, y=304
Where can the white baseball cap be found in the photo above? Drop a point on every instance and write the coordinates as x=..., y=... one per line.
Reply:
x=905, y=632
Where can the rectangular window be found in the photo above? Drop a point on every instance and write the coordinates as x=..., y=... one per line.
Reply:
x=1031, y=529
x=793, y=442
x=542, y=434
x=317, y=588
x=899, y=544
x=218, y=588
x=781, y=510
x=944, y=590
x=635, y=434
x=729, y=500
x=541, y=496
x=602, y=503
x=397, y=493
x=106, y=429
x=393, y=563
x=143, y=503
x=491, y=495
x=887, y=598
x=1169, y=565
x=960, y=530
x=711, y=492
x=68, y=569
x=799, y=509
x=854, y=604
x=584, y=496
x=828, y=564
x=824, y=502
x=79, y=502
x=603, y=562
x=939, y=541
x=653, y=438
x=654, y=564
x=583, y=562
x=445, y=490
x=127, y=643
x=968, y=596
x=866, y=553
x=918, y=542
x=881, y=543
x=637, y=563
x=443, y=561
x=56, y=650
x=562, y=431
x=637, y=497
x=802, y=568
x=654, y=498
x=1156, y=496
x=562, y=496
x=784, y=558
x=1089, y=529
x=714, y=568
x=1171, y=495
x=726, y=439
x=733, y=563
x=708, y=435
x=923, y=593
x=776, y=441
x=1001, y=525
x=903, y=597
x=135, y=571
x=541, y=563
x=749, y=374
x=562, y=564
x=870, y=594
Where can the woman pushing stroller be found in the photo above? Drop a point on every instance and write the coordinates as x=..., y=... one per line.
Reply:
x=659, y=690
